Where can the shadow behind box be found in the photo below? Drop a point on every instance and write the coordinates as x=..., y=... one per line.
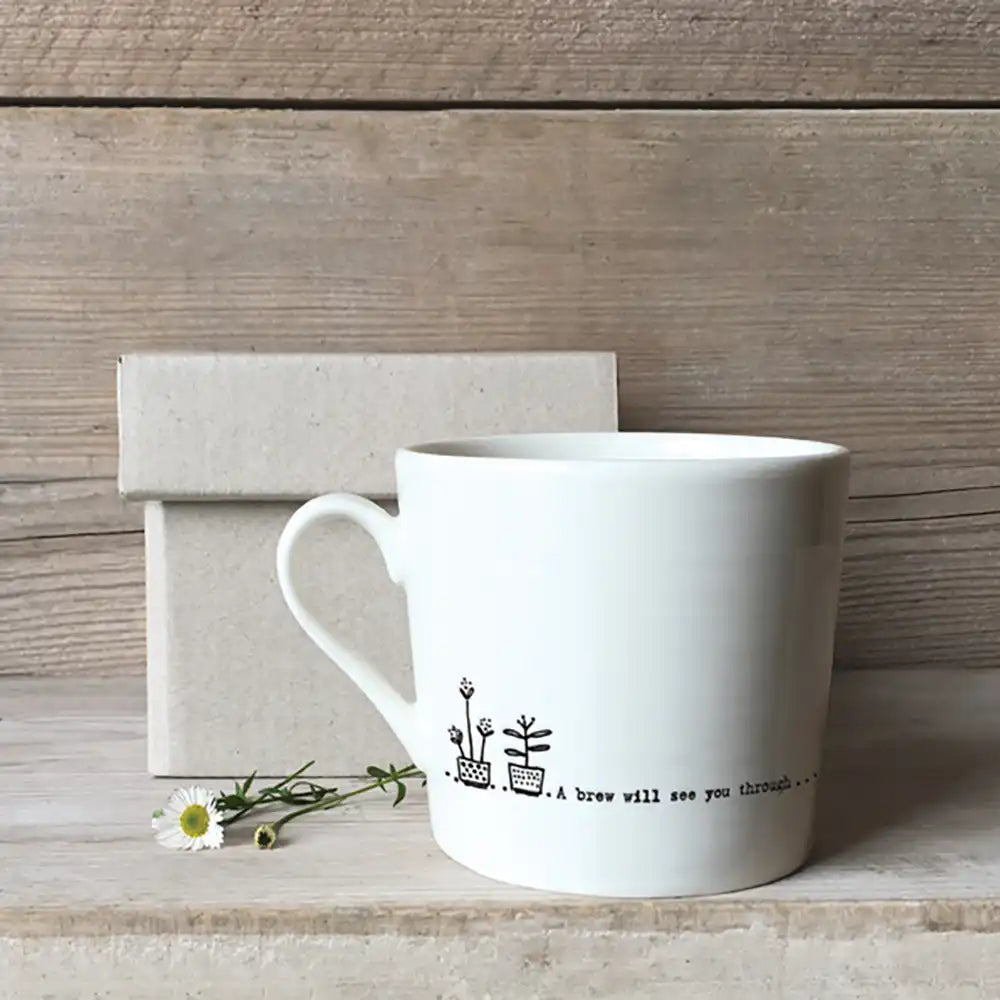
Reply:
x=222, y=448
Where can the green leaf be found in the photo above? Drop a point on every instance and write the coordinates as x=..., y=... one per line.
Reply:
x=248, y=782
x=400, y=793
x=377, y=772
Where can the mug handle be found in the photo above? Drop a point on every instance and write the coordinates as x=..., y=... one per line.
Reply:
x=384, y=529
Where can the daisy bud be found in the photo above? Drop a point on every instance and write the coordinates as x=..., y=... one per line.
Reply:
x=265, y=836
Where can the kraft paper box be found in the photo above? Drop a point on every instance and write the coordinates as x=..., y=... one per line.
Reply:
x=223, y=447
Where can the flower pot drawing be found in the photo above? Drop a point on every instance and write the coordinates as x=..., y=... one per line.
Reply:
x=471, y=772
x=525, y=779
x=474, y=772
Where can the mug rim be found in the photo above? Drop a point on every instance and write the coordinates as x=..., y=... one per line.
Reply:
x=627, y=447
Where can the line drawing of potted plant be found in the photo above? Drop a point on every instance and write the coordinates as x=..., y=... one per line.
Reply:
x=524, y=778
x=485, y=729
x=472, y=772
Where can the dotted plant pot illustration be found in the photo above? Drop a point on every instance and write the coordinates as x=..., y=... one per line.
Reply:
x=475, y=773
x=526, y=780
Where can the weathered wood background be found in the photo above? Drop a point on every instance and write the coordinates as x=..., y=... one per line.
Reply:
x=595, y=51
x=803, y=269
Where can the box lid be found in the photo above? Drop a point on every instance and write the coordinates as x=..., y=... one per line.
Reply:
x=288, y=426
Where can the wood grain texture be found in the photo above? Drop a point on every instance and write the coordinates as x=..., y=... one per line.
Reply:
x=72, y=605
x=906, y=846
x=825, y=274
x=921, y=591
x=37, y=509
x=918, y=591
x=519, y=958
x=500, y=50
x=899, y=898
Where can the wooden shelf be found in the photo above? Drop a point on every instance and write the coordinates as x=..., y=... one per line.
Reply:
x=900, y=899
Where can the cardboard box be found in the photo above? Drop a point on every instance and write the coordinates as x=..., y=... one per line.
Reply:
x=223, y=447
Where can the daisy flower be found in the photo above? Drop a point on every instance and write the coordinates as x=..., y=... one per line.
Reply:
x=190, y=821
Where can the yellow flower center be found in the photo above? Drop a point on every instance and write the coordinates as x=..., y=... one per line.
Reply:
x=194, y=820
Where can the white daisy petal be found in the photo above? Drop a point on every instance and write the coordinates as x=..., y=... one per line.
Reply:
x=213, y=838
x=202, y=796
x=173, y=838
x=177, y=801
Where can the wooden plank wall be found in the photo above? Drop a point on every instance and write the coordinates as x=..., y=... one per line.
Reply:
x=797, y=232
x=592, y=51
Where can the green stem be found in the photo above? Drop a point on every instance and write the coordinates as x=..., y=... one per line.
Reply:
x=410, y=771
x=264, y=798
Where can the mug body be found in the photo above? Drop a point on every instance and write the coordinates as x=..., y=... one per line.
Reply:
x=622, y=647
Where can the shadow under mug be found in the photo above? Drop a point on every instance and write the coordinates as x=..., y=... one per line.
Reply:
x=622, y=647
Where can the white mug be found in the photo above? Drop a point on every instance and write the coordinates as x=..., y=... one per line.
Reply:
x=622, y=648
